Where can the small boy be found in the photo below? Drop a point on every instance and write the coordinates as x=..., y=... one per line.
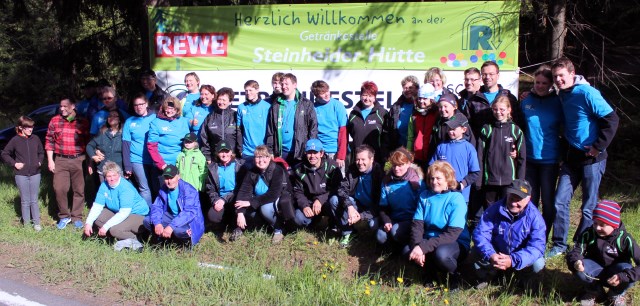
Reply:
x=460, y=154
x=191, y=162
x=447, y=108
x=602, y=256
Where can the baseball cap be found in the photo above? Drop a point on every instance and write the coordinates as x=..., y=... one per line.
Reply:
x=449, y=98
x=170, y=171
x=520, y=188
x=456, y=121
x=190, y=137
x=223, y=145
x=314, y=145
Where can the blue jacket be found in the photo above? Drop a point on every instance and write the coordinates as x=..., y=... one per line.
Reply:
x=521, y=236
x=544, y=118
x=190, y=211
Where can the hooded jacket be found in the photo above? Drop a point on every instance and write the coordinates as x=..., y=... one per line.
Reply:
x=26, y=150
x=495, y=143
x=219, y=125
x=399, y=195
x=310, y=184
x=478, y=109
x=190, y=211
x=373, y=130
x=348, y=186
x=419, y=134
x=192, y=167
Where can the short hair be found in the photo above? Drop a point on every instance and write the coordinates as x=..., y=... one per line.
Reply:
x=503, y=99
x=136, y=96
x=365, y=148
x=252, y=83
x=446, y=170
x=108, y=89
x=226, y=91
x=277, y=77
x=111, y=167
x=291, y=77
x=410, y=78
x=563, y=62
x=490, y=63
x=369, y=87
x=432, y=72
x=472, y=70
x=176, y=104
x=262, y=150
x=24, y=121
x=70, y=97
x=544, y=71
x=319, y=87
x=208, y=88
x=194, y=75
x=401, y=156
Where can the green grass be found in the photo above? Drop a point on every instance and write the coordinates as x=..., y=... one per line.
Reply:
x=308, y=268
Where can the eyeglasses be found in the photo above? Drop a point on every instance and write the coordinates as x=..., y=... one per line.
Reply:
x=471, y=80
x=262, y=157
x=107, y=98
x=140, y=104
x=27, y=128
x=114, y=116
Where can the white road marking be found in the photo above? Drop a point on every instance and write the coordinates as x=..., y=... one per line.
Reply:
x=16, y=300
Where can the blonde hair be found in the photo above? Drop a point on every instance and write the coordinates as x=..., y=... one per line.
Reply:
x=446, y=170
x=176, y=104
x=262, y=150
x=503, y=99
x=432, y=72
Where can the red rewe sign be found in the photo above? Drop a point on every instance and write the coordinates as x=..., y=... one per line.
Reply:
x=191, y=44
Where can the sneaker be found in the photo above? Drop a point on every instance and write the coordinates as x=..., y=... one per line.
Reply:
x=136, y=245
x=130, y=243
x=553, y=252
x=481, y=285
x=78, y=224
x=618, y=300
x=236, y=234
x=345, y=241
x=63, y=223
x=277, y=237
x=37, y=227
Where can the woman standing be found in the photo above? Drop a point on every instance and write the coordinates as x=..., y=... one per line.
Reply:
x=201, y=108
x=221, y=125
x=107, y=145
x=186, y=98
x=368, y=123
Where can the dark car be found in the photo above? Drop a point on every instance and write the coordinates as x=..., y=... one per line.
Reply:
x=41, y=116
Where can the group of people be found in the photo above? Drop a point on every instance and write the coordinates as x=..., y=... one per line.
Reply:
x=429, y=176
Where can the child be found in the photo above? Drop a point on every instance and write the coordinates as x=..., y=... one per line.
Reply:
x=25, y=153
x=602, y=256
x=501, y=152
x=460, y=154
x=447, y=108
x=191, y=162
x=424, y=118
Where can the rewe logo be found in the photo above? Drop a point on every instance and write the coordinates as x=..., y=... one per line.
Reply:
x=481, y=31
x=191, y=44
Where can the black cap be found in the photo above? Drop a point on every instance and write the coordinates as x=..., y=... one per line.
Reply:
x=147, y=73
x=449, y=98
x=170, y=171
x=223, y=145
x=520, y=188
x=456, y=121
x=190, y=137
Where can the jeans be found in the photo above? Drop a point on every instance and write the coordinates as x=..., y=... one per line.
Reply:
x=399, y=232
x=142, y=172
x=302, y=220
x=29, y=186
x=593, y=270
x=485, y=271
x=543, y=179
x=342, y=215
x=270, y=214
x=444, y=258
x=179, y=233
x=589, y=177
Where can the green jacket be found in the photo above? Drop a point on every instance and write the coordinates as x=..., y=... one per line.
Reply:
x=193, y=167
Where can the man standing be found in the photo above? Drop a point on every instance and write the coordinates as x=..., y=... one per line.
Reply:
x=590, y=125
x=66, y=139
x=332, y=123
x=472, y=83
x=154, y=93
x=401, y=112
x=292, y=121
x=252, y=120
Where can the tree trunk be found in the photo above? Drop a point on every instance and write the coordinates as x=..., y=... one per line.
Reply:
x=557, y=14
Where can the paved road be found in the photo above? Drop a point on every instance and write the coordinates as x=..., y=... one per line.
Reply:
x=16, y=293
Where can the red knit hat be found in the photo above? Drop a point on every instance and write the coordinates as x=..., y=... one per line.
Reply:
x=607, y=212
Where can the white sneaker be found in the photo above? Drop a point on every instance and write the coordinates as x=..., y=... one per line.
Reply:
x=37, y=227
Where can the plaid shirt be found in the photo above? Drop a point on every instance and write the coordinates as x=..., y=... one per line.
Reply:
x=66, y=137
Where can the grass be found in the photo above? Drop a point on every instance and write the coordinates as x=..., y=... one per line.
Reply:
x=308, y=268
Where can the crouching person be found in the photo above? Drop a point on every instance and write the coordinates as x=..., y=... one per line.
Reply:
x=602, y=257
x=510, y=237
x=124, y=213
x=315, y=180
x=176, y=215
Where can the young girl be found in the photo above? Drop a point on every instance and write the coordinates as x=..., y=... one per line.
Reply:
x=501, y=152
x=25, y=153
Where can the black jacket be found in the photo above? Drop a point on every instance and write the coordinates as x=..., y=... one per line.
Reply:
x=394, y=115
x=373, y=130
x=219, y=125
x=478, y=109
x=28, y=151
x=315, y=184
x=350, y=181
x=495, y=143
x=213, y=182
x=440, y=134
x=277, y=178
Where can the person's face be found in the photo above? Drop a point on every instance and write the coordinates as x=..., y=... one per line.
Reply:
x=472, y=82
x=400, y=170
x=446, y=109
x=112, y=178
x=490, y=76
x=364, y=161
x=542, y=85
x=206, y=97
x=501, y=111
x=191, y=83
x=140, y=107
x=602, y=229
x=438, y=182
x=170, y=111
x=289, y=88
x=314, y=158
x=223, y=101
x=277, y=86
x=172, y=182
x=113, y=119
x=66, y=107
x=367, y=99
x=424, y=103
x=410, y=91
x=26, y=130
x=109, y=100
x=457, y=133
x=515, y=204
x=262, y=162
x=190, y=144
x=436, y=81
x=325, y=95
x=224, y=156
x=251, y=93
x=563, y=78
x=148, y=83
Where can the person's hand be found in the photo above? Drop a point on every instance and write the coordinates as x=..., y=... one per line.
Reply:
x=163, y=166
x=96, y=158
x=242, y=204
x=417, y=256
x=88, y=230
x=100, y=155
x=614, y=281
x=218, y=205
x=19, y=166
x=208, y=162
x=354, y=216
x=167, y=232
x=340, y=163
x=193, y=122
x=127, y=174
x=578, y=266
x=90, y=170
x=52, y=166
x=501, y=261
x=387, y=227
x=317, y=207
x=241, y=222
x=513, y=152
x=494, y=259
x=158, y=229
x=591, y=151
x=308, y=212
x=102, y=232
x=524, y=95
